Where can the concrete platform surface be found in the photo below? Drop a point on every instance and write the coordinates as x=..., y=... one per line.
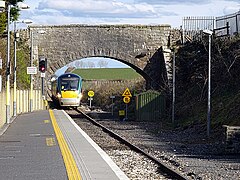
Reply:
x=49, y=145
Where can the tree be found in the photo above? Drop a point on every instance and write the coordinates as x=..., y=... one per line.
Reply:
x=102, y=64
x=23, y=80
x=23, y=61
x=90, y=64
x=15, y=11
x=14, y=14
x=2, y=23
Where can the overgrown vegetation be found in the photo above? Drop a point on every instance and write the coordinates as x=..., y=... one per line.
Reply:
x=23, y=61
x=192, y=78
x=111, y=82
x=104, y=91
x=23, y=80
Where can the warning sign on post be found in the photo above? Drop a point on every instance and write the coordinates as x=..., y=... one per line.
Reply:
x=90, y=93
x=126, y=99
x=127, y=93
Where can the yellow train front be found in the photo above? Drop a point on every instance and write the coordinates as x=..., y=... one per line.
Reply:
x=67, y=90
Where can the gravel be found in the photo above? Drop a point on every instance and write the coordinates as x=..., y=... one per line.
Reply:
x=186, y=150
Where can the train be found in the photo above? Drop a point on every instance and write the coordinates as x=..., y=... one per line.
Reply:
x=66, y=90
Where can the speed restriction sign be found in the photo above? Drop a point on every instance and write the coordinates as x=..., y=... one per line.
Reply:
x=126, y=99
x=90, y=93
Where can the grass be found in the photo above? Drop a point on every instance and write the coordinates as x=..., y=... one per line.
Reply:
x=107, y=73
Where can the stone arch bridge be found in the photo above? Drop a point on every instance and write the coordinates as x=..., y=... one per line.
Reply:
x=139, y=46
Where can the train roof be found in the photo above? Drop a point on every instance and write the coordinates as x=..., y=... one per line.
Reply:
x=69, y=75
x=54, y=77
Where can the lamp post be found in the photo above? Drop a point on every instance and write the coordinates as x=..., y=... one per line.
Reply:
x=173, y=93
x=172, y=53
x=2, y=7
x=20, y=6
x=16, y=36
x=209, y=33
x=8, y=68
x=31, y=83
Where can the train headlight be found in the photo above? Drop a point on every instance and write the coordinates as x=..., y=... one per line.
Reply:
x=58, y=95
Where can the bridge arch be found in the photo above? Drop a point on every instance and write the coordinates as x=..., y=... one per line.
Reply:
x=140, y=47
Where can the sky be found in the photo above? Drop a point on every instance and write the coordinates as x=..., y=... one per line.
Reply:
x=58, y=12
x=144, y=12
x=86, y=61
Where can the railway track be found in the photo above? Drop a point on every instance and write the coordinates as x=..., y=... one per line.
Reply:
x=167, y=171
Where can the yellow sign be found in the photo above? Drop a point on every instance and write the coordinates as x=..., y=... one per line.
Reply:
x=126, y=99
x=127, y=93
x=121, y=113
x=91, y=93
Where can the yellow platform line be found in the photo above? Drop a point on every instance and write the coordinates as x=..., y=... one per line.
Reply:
x=71, y=166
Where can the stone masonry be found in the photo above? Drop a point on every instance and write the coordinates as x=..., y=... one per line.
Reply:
x=139, y=46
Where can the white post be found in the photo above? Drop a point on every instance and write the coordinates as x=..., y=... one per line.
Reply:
x=31, y=83
x=209, y=33
x=8, y=68
x=90, y=102
x=112, y=106
x=209, y=88
x=126, y=116
x=15, y=72
x=173, y=92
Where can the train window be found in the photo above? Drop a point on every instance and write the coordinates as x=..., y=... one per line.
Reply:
x=69, y=79
x=64, y=85
x=73, y=85
x=69, y=83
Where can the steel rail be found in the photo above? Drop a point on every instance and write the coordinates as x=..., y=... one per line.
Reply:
x=165, y=168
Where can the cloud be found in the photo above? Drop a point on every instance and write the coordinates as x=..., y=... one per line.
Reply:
x=56, y=12
x=170, y=2
x=99, y=8
x=231, y=9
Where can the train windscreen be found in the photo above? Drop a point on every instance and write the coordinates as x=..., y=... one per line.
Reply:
x=69, y=83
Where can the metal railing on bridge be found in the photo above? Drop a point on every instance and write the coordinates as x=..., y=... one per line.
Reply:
x=192, y=27
x=227, y=25
x=232, y=21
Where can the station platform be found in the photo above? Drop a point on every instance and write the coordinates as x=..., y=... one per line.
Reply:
x=49, y=145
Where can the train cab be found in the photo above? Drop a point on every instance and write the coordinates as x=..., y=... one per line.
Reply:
x=67, y=90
